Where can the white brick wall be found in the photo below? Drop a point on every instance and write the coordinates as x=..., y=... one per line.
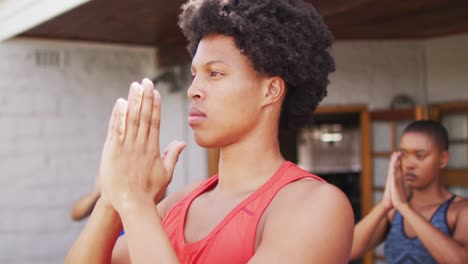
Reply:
x=372, y=72
x=52, y=126
x=447, y=67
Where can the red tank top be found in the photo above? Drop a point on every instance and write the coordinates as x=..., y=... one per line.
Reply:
x=233, y=239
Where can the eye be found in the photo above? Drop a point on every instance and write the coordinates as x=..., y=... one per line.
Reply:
x=420, y=156
x=215, y=74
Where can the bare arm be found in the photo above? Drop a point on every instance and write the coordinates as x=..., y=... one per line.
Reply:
x=84, y=206
x=370, y=231
x=443, y=248
x=120, y=254
x=96, y=241
x=145, y=236
x=311, y=225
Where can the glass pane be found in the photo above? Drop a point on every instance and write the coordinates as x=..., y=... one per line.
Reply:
x=379, y=251
x=458, y=155
x=401, y=125
x=459, y=190
x=378, y=261
x=456, y=125
x=381, y=137
x=380, y=167
x=377, y=196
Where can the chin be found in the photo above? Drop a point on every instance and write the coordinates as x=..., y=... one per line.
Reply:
x=206, y=142
x=210, y=141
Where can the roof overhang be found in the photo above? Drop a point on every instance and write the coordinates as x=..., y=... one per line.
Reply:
x=18, y=16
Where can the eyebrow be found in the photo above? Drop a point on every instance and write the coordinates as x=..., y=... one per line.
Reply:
x=210, y=63
x=413, y=150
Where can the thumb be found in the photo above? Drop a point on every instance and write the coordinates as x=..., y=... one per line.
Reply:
x=171, y=155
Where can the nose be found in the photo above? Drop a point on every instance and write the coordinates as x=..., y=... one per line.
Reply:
x=408, y=162
x=194, y=91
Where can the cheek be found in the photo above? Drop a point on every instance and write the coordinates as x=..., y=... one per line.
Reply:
x=238, y=100
x=430, y=166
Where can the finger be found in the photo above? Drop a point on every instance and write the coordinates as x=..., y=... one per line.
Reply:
x=397, y=173
x=146, y=111
x=172, y=156
x=391, y=169
x=153, y=137
x=119, y=123
x=110, y=126
x=133, y=115
x=396, y=165
x=166, y=150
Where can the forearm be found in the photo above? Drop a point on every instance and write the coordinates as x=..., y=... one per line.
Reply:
x=442, y=247
x=96, y=241
x=147, y=241
x=85, y=205
x=368, y=230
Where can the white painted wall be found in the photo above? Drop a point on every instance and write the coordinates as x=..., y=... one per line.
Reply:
x=372, y=72
x=447, y=68
x=53, y=121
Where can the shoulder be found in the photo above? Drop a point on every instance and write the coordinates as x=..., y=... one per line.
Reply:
x=460, y=201
x=311, y=198
x=310, y=214
x=172, y=199
x=459, y=206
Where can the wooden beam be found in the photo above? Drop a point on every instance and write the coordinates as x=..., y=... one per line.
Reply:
x=335, y=7
x=455, y=177
x=366, y=171
x=332, y=109
x=170, y=55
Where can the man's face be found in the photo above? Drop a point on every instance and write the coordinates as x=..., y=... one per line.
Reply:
x=225, y=93
x=421, y=159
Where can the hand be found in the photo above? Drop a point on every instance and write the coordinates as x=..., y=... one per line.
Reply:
x=398, y=188
x=132, y=169
x=387, y=198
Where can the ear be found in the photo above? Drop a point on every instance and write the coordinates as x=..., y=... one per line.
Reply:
x=274, y=90
x=444, y=158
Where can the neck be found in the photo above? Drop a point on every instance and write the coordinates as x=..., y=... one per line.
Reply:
x=247, y=164
x=434, y=193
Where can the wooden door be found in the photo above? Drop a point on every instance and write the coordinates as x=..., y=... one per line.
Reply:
x=454, y=116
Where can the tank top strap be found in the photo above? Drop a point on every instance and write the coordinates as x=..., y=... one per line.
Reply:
x=439, y=218
x=202, y=187
x=442, y=209
x=288, y=173
x=293, y=173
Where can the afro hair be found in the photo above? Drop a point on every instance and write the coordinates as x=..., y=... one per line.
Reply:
x=285, y=38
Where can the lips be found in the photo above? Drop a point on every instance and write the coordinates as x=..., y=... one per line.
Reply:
x=410, y=176
x=195, y=116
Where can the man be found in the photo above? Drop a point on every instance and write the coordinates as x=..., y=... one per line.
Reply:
x=430, y=225
x=254, y=63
